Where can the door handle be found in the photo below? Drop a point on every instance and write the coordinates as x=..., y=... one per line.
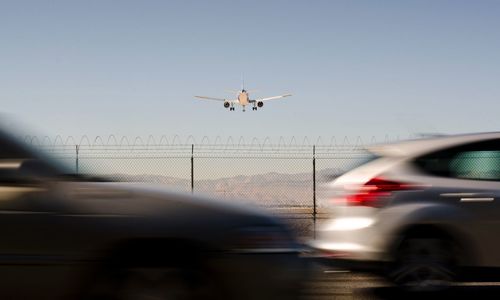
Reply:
x=470, y=197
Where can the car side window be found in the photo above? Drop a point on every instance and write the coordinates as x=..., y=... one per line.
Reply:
x=475, y=161
x=481, y=165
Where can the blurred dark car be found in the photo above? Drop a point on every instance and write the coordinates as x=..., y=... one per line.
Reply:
x=422, y=213
x=64, y=236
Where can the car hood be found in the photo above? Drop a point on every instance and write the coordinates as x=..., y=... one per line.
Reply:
x=147, y=200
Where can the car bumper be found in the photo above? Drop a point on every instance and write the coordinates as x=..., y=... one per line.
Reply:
x=374, y=267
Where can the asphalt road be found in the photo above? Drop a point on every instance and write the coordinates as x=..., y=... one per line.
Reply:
x=339, y=285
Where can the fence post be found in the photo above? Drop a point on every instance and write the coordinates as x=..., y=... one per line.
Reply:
x=77, y=148
x=192, y=168
x=314, y=191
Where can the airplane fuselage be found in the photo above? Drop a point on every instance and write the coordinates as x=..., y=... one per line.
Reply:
x=243, y=98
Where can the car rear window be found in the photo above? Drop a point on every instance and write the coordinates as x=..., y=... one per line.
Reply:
x=362, y=160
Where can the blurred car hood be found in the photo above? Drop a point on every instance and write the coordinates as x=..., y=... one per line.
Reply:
x=139, y=200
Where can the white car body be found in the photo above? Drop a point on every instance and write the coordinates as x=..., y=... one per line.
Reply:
x=438, y=189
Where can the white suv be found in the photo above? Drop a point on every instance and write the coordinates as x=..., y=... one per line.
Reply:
x=423, y=213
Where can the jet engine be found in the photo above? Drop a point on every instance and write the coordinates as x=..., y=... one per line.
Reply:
x=260, y=104
x=226, y=104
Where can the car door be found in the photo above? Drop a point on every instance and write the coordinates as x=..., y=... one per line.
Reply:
x=469, y=177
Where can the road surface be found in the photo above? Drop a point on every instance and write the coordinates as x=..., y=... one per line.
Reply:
x=329, y=284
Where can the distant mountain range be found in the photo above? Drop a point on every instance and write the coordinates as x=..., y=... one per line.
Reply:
x=269, y=189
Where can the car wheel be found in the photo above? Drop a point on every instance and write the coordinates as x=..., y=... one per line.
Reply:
x=423, y=265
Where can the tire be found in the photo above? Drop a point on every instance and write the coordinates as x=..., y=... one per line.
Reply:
x=424, y=265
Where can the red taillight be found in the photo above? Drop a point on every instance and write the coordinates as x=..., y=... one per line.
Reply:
x=375, y=191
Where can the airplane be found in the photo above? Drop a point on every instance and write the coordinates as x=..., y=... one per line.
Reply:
x=243, y=99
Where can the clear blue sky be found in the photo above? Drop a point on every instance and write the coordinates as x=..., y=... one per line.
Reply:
x=355, y=68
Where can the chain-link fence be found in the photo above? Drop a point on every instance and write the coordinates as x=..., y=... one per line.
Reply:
x=284, y=179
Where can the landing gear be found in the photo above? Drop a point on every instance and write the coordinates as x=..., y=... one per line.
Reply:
x=231, y=108
x=254, y=108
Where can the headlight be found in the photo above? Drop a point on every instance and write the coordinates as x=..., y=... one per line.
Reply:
x=263, y=240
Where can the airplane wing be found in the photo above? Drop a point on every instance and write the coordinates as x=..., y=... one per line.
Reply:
x=273, y=98
x=210, y=98
x=218, y=99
